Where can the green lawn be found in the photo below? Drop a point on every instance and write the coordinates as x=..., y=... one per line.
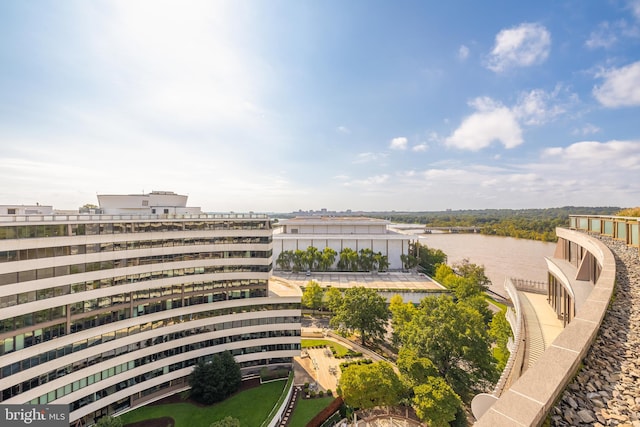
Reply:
x=251, y=407
x=340, y=350
x=306, y=409
x=496, y=303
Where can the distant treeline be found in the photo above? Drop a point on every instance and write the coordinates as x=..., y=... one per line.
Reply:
x=534, y=224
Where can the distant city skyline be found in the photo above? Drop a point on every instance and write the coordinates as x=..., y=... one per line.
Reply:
x=286, y=105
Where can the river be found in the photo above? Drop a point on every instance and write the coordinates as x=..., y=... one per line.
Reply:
x=501, y=257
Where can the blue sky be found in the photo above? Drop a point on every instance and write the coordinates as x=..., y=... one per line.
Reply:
x=284, y=105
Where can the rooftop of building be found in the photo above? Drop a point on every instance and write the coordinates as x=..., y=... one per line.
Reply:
x=334, y=219
x=388, y=281
x=281, y=287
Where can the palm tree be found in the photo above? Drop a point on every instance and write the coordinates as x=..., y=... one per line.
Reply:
x=284, y=260
x=298, y=260
x=327, y=258
x=346, y=257
x=365, y=259
x=312, y=258
x=380, y=262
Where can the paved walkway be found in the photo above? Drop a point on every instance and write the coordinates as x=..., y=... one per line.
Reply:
x=541, y=325
x=548, y=320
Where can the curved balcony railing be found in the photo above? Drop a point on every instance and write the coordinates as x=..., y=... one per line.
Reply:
x=528, y=401
x=514, y=317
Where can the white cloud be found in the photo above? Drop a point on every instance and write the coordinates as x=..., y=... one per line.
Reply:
x=621, y=87
x=587, y=129
x=604, y=36
x=536, y=107
x=492, y=122
x=341, y=177
x=624, y=154
x=368, y=157
x=522, y=46
x=344, y=130
x=399, y=143
x=634, y=5
x=371, y=181
x=420, y=147
x=609, y=33
x=463, y=52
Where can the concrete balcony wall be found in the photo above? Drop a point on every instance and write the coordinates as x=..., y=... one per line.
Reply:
x=529, y=399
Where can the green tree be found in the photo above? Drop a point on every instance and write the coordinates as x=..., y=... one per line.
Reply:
x=298, y=260
x=285, y=260
x=443, y=271
x=480, y=304
x=371, y=385
x=109, y=421
x=327, y=258
x=348, y=260
x=435, y=402
x=311, y=258
x=226, y=422
x=454, y=337
x=312, y=296
x=365, y=259
x=408, y=261
x=215, y=380
x=362, y=310
x=401, y=315
x=428, y=259
x=414, y=368
x=473, y=272
x=333, y=299
x=500, y=332
x=380, y=262
x=232, y=373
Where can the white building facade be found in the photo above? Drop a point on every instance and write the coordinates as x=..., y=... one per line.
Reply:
x=338, y=233
x=107, y=312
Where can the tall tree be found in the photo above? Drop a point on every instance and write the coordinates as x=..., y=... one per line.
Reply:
x=285, y=259
x=215, y=380
x=232, y=374
x=368, y=386
x=362, y=310
x=333, y=299
x=365, y=259
x=429, y=259
x=380, y=262
x=500, y=332
x=312, y=295
x=454, y=337
x=298, y=260
x=435, y=402
x=401, y=315
x=473, y=272
x=311, y=258
x=408, y=261
x=327, y=258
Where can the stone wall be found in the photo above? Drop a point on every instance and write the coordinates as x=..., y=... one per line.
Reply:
x=606, y=390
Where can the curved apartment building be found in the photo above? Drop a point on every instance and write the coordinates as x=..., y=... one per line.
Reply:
x=107, y=310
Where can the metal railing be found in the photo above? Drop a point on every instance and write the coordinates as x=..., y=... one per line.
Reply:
x=622, y=228
x=128, y=217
